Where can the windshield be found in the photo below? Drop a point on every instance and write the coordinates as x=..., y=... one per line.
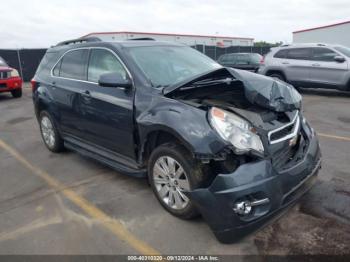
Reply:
x=167, y=65
x=2, y=62
x=344, y=50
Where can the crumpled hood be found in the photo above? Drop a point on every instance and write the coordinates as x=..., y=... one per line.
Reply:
x=259, y=90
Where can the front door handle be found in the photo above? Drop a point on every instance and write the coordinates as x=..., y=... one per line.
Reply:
x=316, y=65
x=86, y=93
x=285, y=63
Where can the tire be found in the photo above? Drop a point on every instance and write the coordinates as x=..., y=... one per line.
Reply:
x=192, y=175
x=278, y=76
x=49, y=133
x=17, y=93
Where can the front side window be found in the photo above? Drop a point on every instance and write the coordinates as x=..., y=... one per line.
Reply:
x=323, y=54
x=102, y=62
x=72, y=65
x=299, y=53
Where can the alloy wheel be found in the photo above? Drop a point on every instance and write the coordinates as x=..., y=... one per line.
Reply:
x=170, y=180
x=47, y=131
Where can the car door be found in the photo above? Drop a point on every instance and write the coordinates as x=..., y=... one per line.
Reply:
x=108, y=111
x=296, y=65
x=67, y=84
x=325, y=70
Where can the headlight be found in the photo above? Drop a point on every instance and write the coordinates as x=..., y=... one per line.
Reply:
x=14, y=73
x=235, y=130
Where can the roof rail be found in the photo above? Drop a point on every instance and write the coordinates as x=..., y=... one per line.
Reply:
x=284, y=45
x=79, y=41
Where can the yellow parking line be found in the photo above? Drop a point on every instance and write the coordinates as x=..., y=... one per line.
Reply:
x=335, y=137
x=112, y=224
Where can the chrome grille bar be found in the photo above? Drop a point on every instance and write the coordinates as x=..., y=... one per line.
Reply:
x=295, y=122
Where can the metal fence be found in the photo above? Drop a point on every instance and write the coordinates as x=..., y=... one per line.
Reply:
x=26, y=61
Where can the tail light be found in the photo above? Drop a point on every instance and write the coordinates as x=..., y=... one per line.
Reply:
x=34, y=85
x=262, y=61
x=13, y=73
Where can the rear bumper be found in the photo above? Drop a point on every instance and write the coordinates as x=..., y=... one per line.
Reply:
x=258, y=180
x=9, y=84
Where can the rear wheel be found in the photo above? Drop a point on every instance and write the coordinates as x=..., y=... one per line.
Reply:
x=16, y=93
x=278, y=76
x=171, y=172
x=49, y=133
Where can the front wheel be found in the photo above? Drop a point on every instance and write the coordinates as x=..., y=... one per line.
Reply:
x=277, y=76
x=16, y=93
x=171, y=172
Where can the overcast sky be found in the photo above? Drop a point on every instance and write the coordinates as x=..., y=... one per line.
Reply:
x=38, y=23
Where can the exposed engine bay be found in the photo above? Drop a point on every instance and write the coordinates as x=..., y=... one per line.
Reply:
x=271, y=106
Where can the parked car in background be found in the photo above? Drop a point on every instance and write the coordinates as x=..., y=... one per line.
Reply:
x=211, y=140
x=244, y=61
x=309, y=65
x=10, y=81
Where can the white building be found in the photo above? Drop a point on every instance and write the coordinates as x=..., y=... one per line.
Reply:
x=209, y=40
x=329, y=34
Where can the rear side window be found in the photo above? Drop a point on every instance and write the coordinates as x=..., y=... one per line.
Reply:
x=281, y=54
x=73, y=65
x=299, y=53
x=323, y=54
x=102, y=62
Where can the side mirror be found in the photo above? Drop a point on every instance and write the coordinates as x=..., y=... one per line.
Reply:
x=114, y=80
x=339, y=59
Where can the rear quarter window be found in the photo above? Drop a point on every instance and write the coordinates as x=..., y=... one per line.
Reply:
x=47, y=62
x=281, y=54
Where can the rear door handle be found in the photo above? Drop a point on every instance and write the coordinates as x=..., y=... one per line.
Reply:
x=285, y=63
x=316, y=65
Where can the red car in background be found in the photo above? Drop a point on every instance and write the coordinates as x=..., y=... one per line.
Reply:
x=10, y=81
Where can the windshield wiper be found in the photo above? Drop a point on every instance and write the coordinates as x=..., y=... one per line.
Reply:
x=205, y=82
x=210, y=82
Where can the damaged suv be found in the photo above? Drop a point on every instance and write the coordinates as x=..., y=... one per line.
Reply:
x=230, y=145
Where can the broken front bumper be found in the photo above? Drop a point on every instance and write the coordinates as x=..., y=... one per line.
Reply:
x=255, y=181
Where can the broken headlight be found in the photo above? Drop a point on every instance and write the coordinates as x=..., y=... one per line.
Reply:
x=235, y=130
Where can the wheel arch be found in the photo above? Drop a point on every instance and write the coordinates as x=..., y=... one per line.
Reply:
x=276, y=71
x=158, y=137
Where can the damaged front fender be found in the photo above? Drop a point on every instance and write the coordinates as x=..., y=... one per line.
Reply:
x=185, y=122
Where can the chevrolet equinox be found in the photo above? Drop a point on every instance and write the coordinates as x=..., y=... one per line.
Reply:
x=227, y=144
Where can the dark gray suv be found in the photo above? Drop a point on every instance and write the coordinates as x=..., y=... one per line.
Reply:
x=228, y=144
x=310, y=65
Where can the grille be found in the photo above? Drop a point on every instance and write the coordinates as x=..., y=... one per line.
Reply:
x=285, y=132
x=4, y=75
